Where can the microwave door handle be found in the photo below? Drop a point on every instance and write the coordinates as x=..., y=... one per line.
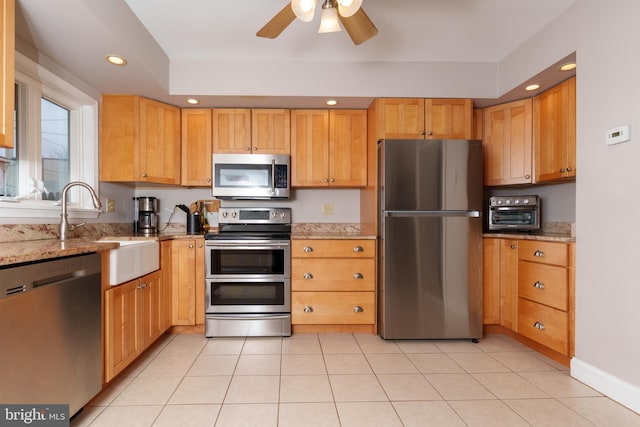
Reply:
x=273, y=176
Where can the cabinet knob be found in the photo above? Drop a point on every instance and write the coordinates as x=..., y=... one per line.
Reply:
x=358, y=249
x=562, y=170
x=527, y=176
x=255, y=148
x=308, y=276
x=307, y=249
x=144, y=175
x=538, y=253
x=422, y=133
x=208, y=179
x=430, y=133
x=141, y=286
x=199, y=245
x=190, y=246
x=513, y=247
x=358, y=276
x=308, y=309
x=538, y=285
x=358, y=309
x=539, y=325
x=332, y=180
x=325, y=180
x=569, y=169
x=247, y=148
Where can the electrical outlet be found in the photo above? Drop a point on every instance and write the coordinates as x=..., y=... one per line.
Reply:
x=327, y=209
x=111, y=205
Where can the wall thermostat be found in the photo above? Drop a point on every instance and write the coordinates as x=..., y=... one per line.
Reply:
x=618, y=135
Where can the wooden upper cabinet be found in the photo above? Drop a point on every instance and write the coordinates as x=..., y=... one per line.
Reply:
x=309, y=148
x=159, y=142
x=348, y=148
x=507, y=143
x=329, y=148
x=231, y=130
x=448, y=118
x=196, y=147
x=7, y=83
x=555, y=132
x=139, y=141
x=418, y=118
x=271, y=131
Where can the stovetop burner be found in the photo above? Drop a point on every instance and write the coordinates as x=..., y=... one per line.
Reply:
x=253, y=224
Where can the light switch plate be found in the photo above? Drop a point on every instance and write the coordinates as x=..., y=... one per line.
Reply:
x=618, y=134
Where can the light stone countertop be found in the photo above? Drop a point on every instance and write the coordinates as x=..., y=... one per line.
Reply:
x=549, y=237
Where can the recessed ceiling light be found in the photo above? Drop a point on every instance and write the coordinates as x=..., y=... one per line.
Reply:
x=332, y=102
x=193, y=101
x=116, y=60
x=532, y=87
x=568, y=66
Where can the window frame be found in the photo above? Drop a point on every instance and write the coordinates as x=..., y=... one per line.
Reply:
x=36, y=82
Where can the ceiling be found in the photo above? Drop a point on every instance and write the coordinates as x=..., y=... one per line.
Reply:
x=177, y=49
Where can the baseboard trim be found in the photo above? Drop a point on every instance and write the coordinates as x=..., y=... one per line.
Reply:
x=613, y=387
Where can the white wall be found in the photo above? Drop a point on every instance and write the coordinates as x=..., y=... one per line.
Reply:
x=606, y=37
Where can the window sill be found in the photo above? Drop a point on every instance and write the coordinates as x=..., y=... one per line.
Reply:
x=22, y=211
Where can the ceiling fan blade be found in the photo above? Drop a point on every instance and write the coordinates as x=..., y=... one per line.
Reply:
x=359, y=27
x=278, y=23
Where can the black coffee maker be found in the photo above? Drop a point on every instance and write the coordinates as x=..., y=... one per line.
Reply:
x=145, y=215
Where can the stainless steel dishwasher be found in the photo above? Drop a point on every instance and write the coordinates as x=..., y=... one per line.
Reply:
x=50, y=332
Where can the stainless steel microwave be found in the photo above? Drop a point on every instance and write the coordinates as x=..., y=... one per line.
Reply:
x=251, y=176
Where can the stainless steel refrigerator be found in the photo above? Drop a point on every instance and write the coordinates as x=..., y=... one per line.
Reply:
x=430, y=239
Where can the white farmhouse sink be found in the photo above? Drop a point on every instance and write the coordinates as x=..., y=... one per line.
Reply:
x=134, y=258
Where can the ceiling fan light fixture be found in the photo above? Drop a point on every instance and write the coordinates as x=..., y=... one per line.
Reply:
x=304, y=9
x=348, y=7
x=329, y=18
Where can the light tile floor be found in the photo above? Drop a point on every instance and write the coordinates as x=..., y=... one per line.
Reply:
x=347, y=380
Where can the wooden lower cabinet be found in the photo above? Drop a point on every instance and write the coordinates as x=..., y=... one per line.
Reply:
x=533, y=281
x=186, y=271
x=135, y=316
x=333, y=285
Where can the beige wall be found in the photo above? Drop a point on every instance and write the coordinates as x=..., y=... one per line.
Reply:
x=606, y=37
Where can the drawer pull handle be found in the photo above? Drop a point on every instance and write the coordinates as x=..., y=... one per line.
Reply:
x=538, y=253
x=358, y=309
x=358, y=276
x=538, y=285
x=308, y=309
x=358, y=249
x=308, y=276
x=539, y=325
x=307, y=249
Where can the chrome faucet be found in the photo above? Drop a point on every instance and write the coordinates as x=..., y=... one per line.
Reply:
x=65, y=227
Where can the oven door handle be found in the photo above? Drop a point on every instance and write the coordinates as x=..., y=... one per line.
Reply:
x=245, y=317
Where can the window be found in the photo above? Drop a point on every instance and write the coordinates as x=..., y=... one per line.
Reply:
x=55, y=130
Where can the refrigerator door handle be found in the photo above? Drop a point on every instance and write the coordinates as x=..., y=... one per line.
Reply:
x=470, y=214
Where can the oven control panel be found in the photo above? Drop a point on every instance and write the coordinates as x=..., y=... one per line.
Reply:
x=254, y=215
x=514, y=201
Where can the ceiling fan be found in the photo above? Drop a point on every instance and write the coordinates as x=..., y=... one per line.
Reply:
x=350, y=13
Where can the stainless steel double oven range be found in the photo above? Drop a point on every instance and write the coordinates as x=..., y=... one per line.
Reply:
x=248, y=273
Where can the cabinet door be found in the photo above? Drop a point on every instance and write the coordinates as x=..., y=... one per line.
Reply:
x=333, y=274
x=121, y=326
x=509, y=284
x=149, y=309
x=231, y=130
x=491, y=281
x=196, y=147
x=271, y=131
x=507, y=143
x=183, y=279
x=165, y=286
x=119, y=136
x=448, y=118
x=403, y=118
x=348, y=148
x=331, y=308
x=309, y=148
x=7, y=82
x=555, y=132
x=159, y=142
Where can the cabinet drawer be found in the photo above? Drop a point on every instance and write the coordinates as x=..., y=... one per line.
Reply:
x=337, y=248
x=546, y=325
x=328, y=274
x=331, y=308
x=543, y=252
x=546, y=284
